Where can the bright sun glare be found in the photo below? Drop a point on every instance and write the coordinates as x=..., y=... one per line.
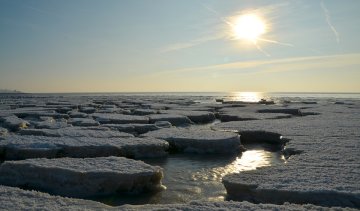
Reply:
x=249, y=27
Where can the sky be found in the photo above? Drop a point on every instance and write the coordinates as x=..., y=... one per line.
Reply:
x=179, y=46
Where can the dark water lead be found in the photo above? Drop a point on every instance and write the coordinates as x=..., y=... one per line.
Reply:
x=189, y=177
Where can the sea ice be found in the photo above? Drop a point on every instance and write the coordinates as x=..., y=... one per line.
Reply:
x=22, y=147
x=76, y=132
x=105, y=118
x=174, y=119
x=13, y=123
x=17, y=199
x=195, y=116
x=85, y=122
x=82, y=177
x=322, y=166
x=198, y=140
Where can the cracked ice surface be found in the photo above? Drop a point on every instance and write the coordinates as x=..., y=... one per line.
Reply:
x=323, y=167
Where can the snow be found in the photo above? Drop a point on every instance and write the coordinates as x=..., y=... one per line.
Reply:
x=105, y=118
x=198, y=140
x=13, y=123
x=77, y=177
x=83, y=122
x=75, y=132
x=144, y=111
x=3, y=132
x=76, y=114
x=22, y=147
x=38, y=112
x=323, y=165
x=87, y=109
x=322, y=150
x=228, y=205
x=195, y=116
x=49, y=123
x=17, y=199
x=174, y=119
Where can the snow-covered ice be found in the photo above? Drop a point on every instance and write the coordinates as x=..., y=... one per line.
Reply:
x=99, y=132
x=13, y=122
x=229, y=205
x=194, y=116
x=82, y=177
x=174, y=119
x=105, y=118
x=198, y=140
x=17, y=199
x=85, y=122
x=321, y=138
x=323, y=165
x=16, y=147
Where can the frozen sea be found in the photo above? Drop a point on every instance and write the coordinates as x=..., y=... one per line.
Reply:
x=199, y=176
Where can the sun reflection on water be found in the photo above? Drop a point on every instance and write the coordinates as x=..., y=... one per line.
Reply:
x=249, y=160
x=246, y=96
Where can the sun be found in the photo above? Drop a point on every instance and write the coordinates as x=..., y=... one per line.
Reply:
x=249, y=27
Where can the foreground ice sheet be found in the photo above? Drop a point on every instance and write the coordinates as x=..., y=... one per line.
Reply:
x=22, y=147
x=17, y=199
x=198, y=140
x=323, y=166
x=229, y=205
x=78, y=177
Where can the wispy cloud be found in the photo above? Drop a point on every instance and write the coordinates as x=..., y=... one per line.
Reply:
x=192, y=43
x=282, y=65
x=328, y=21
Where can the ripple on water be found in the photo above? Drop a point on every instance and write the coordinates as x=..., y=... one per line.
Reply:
x=191, y=177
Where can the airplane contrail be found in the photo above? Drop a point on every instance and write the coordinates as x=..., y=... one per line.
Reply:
x=328, y=20
x=276, y=42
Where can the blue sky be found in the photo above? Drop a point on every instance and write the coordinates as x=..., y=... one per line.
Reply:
x=168, y=45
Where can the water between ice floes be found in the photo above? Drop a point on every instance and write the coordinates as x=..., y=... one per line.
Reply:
x=189, y=177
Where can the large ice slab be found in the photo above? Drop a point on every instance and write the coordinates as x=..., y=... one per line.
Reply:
x=22, y=147
x=198, y=140
x=174, y=119
x=3, y=132
x=316, y=126
x=138, y=128
x=229, y=205
x=84, y=122
x=38, y=112
x=76, y=177
x=323, y=165
x=17, y=199
x=49, y=123
x=297, y=183
x=195, y=116
x=75, y=132
x=105, y=118
x=13, y=122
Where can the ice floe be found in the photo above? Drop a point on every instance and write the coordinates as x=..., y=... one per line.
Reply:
x=198, y=140
x=16, y=147
x=82, y=177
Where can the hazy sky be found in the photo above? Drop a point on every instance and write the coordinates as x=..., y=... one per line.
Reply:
x=183, y=45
